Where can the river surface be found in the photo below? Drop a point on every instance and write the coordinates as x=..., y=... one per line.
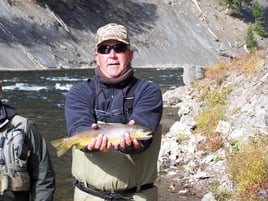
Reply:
x=40, y=95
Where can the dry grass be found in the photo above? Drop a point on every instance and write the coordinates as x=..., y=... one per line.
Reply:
x=247, y=65
x=248, y=169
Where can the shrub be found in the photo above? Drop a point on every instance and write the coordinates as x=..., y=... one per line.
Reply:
x=250, y=40
x=217, y=72
x=248, y=64
x=208, y=119
x=248, y=169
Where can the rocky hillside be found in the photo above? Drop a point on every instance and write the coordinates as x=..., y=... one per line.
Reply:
x=216, y=162
x=165, y=33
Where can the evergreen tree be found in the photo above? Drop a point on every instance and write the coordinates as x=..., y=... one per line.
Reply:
x=250, y=40
x=259, y=25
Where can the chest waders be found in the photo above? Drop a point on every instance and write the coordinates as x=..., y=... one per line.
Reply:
x=14, y=156
x=114, y=175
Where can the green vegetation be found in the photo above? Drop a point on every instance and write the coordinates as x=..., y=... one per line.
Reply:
x=214, y=187
x=248, y=170
x=250, y=40
x=214, y=97
x=208, y=119
x=181, y=137
x=230, y=3
x=259, y=25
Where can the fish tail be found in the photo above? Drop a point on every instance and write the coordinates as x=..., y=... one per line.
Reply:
x=60, y=146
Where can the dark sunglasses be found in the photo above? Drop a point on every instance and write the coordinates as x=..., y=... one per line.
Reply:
x=118, y=48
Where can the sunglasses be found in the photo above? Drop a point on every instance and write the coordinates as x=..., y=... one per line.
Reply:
x=118, y=48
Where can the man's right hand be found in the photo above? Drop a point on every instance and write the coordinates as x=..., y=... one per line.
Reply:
x=101, y=143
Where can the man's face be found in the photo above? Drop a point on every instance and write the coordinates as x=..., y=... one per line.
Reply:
x=113, y=60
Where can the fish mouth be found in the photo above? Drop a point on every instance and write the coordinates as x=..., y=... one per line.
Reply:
x=147, y=132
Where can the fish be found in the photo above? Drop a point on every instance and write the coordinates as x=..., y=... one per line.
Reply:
x=113, y=131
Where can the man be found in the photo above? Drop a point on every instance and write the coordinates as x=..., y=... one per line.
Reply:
x=129, y=169
x=26, y=173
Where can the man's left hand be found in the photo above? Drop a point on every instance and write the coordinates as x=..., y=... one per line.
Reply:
x=127, y=141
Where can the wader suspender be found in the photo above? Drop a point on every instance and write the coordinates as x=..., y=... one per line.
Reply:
x=129, y=97
x=128, y=93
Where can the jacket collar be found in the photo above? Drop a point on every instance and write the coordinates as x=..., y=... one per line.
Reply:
x=125, y=76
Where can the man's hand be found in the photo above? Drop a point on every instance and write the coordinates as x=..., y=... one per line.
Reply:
x=101, y=143
x=127, y=141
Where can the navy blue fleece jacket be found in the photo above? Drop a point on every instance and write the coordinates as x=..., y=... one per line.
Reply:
x=80, y=110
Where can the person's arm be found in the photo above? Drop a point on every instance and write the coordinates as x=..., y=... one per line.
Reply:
x=39, y=165
x=147, y=112
x=79, y=108
x=148, y=106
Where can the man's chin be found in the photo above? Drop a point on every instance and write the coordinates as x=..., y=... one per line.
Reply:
x=114, y=74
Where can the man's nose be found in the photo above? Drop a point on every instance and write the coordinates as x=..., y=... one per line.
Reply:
x=112, y=53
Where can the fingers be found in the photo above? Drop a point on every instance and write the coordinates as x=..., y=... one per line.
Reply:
x=127, y=141
x=131, y=122
x=136, y=144
x=100, y=143
x=94, y=126
x=91, y=145
x=116, y=147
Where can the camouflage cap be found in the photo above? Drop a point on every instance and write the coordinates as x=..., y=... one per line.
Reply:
x=112, y=31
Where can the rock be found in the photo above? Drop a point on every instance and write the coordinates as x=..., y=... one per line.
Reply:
x=208, y=197
x=223, y=127
x=192, y=74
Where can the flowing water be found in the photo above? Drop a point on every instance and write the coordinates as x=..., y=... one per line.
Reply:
x=40, y=95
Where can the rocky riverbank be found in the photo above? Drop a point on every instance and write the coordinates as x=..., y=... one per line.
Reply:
x=186, y=159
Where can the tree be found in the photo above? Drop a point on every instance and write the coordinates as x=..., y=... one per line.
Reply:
x=250, y=40
x=259, y=25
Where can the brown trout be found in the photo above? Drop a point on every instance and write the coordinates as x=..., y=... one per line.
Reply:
x=113, y=131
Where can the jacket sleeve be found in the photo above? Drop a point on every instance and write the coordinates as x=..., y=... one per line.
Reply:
x=148, y=106
x=39, y=165
x=79, y=108
x=147, y=112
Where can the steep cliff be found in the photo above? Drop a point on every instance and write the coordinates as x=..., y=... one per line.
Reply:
x=165, y=33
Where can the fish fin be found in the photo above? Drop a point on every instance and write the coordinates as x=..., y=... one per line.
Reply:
x=60, y=146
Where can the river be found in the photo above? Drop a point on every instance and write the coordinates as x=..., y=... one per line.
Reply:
x=40, y=95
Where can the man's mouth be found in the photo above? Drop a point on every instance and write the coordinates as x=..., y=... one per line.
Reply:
x=114, y=64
